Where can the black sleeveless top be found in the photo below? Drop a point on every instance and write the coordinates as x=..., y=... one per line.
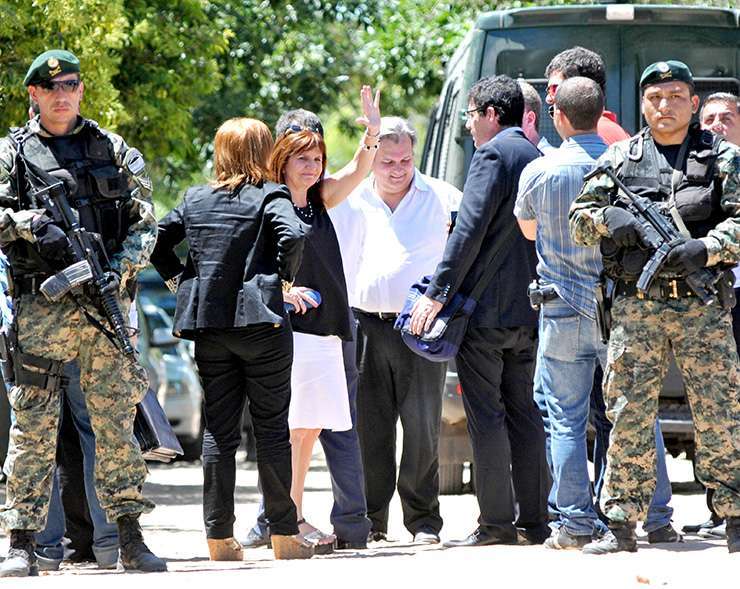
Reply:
x=321, y=269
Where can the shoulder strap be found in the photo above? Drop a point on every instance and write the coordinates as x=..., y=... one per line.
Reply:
x=501, y=248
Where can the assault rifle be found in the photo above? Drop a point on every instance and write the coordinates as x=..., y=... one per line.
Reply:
x=85, y=249
x=661, y=235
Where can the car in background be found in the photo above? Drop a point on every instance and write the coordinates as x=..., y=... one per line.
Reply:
x=177, y=385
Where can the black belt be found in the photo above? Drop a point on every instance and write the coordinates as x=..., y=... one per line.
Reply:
x=661, y=290
x=381, y=316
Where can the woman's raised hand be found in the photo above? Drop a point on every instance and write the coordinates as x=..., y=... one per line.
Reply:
x=370, y=110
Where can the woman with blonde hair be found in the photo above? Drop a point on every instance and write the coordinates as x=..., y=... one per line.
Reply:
x=319, y=389
x=244, y=238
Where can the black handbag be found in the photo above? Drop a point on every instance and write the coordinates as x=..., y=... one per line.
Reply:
x=153, y=431
x=442, y=341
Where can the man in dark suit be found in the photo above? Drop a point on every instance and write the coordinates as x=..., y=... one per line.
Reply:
x=496, y=359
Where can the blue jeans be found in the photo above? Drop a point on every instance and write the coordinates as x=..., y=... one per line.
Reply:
x=344, y=461
x=570, y=349
x=105, y=534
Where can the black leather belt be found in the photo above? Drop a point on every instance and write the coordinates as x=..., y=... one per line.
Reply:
x=661, y=290
x=381, y=316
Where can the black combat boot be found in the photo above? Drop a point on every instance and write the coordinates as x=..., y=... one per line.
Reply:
x=21, y=559
x=733, y=534
x=134, y=554
x=620, y=538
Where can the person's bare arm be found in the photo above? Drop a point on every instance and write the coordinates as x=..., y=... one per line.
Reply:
x=338, y=186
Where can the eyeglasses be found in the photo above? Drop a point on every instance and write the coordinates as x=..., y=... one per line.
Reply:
x=296, y=128
x=468, y=114
x=67, y=86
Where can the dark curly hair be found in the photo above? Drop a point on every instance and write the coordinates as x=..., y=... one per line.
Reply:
x=503, y=94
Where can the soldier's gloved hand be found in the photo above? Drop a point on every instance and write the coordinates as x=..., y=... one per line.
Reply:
x=51, y=240
x=623, y=227
x=687, y=258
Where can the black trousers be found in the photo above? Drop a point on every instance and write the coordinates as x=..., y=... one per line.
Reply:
x=236, y=364
x=395, y=382
x=496, y=368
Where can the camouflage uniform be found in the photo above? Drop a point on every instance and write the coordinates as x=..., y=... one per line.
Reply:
x=60, y=331
x=643, y=331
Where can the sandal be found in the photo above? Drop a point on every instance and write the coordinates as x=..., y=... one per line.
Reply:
x=322, y=543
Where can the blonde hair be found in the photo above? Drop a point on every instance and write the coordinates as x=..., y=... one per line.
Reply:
x=242, y=150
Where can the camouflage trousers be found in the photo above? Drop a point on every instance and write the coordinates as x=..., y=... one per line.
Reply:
x=112, y=387
x=701, y=339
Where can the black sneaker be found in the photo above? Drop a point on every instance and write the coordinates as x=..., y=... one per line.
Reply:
x=561, y=539
x=664, y=535
x=618, y=539
x=707, y=525
x=342, y=544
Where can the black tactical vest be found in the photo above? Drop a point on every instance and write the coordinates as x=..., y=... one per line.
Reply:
x=100, y=189
x=647, y=173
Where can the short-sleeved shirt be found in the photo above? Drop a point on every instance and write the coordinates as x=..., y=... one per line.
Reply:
x=547, y=187
x=396, y=247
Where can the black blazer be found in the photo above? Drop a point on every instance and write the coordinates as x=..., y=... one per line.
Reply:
x=487, y=206
x=241, y=244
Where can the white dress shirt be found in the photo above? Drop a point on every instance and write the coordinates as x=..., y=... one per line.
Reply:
x=386, y=251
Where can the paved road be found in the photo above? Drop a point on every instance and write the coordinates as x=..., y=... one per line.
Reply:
x=174, y=530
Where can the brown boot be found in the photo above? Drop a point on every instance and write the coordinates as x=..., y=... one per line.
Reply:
x=291, y=547
x=225, y=549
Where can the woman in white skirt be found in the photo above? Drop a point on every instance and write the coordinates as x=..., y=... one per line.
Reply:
x=319, y=398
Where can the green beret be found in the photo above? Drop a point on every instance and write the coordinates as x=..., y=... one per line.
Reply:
x=666, y=71
x=50, y=64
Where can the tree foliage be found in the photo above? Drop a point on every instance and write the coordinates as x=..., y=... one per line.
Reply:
x=166, y=73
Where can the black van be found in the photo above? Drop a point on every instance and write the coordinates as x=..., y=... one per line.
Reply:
x=520, y=43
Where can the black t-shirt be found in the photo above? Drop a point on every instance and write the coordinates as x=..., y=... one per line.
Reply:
x=321, y=269
x=670, y=153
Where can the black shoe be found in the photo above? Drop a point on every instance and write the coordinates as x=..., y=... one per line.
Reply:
x=707, y=525
x=255, y=540
x=618, y=539
x=733, y=534
x=21, y=559
x=717, y=532
x=664, y=535
x=480, y=538
x=532, y=536
x=342, y=544
x=134, y=554
x=375, y=536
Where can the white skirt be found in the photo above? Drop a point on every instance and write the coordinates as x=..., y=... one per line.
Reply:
x=319, y=397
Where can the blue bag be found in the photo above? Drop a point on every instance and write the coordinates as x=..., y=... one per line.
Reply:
x=443, y=339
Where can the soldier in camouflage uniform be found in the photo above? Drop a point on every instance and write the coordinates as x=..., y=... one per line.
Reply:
x=645, y=327
x=108, y=186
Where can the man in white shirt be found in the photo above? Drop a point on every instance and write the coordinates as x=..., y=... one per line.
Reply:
x=403, y=227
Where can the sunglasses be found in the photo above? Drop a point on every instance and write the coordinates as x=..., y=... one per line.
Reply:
x=551, y=111
x=67, y=86
x=295, y=128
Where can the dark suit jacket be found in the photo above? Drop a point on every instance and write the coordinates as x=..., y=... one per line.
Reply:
x=241, y=244
x=487, y=207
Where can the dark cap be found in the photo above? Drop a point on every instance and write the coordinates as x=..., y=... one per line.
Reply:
x=666, y=71
x=50, y=64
